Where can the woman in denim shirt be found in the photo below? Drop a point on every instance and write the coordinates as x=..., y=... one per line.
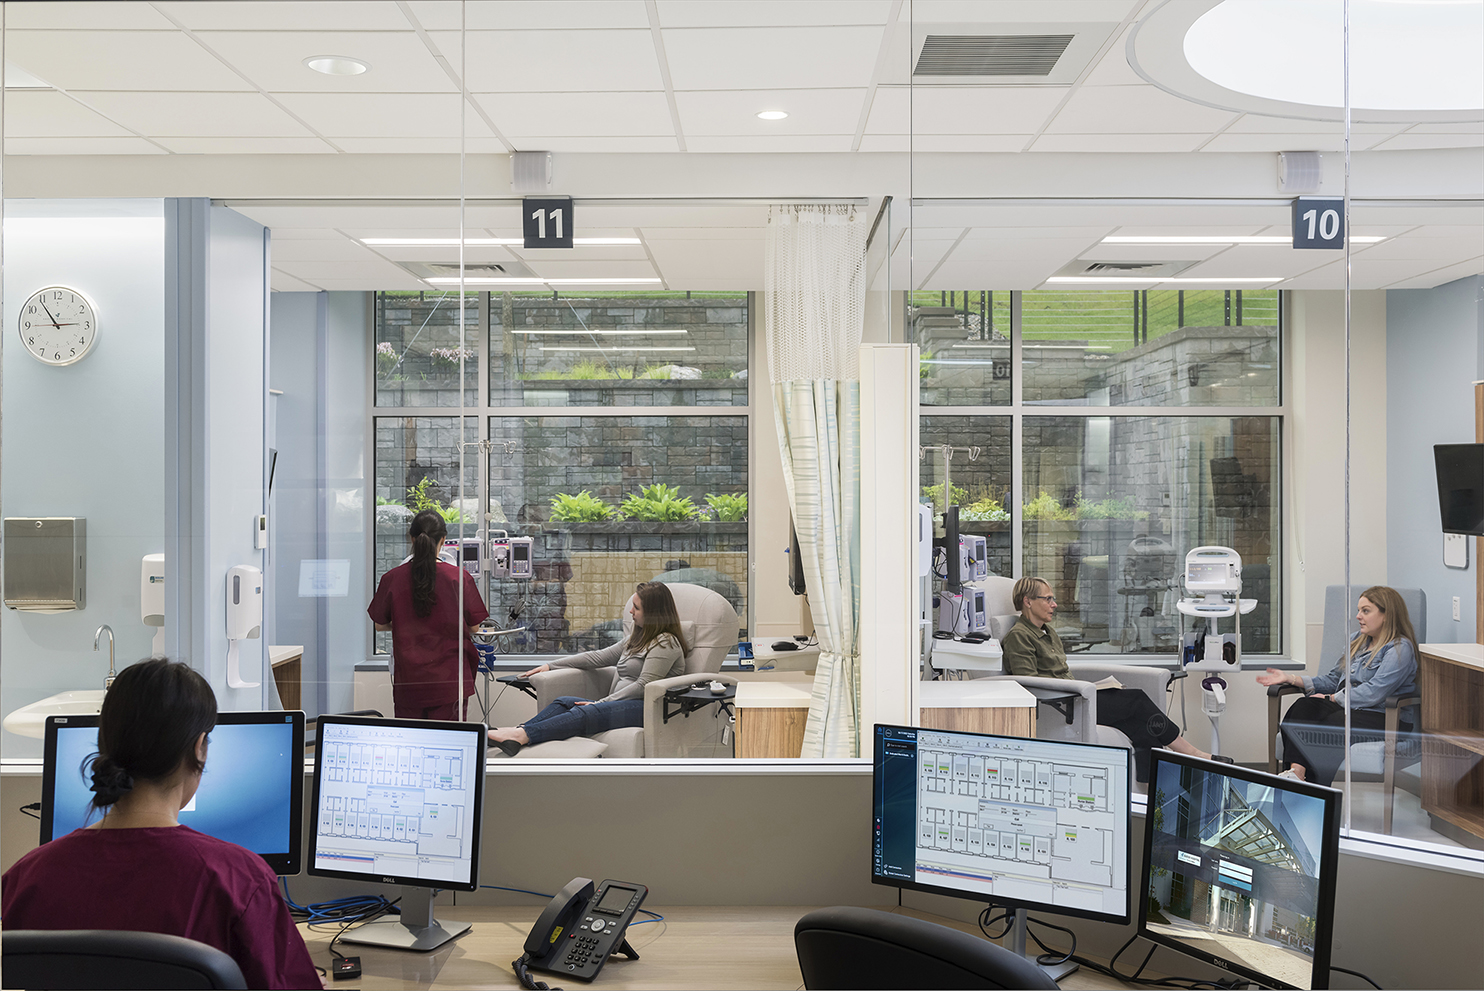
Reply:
x=1383, y=662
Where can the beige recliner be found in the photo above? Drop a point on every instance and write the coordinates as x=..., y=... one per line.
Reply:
x=709, y=624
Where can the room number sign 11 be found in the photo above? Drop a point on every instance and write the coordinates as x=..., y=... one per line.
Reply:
x=547, y=223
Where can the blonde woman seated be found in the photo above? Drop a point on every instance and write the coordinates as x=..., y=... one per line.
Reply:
x=1033, y=649
x=1383, y=662
x=656, y=649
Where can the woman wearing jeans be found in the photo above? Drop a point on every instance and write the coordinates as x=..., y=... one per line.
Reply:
x=1382, y=662
x=656, y=649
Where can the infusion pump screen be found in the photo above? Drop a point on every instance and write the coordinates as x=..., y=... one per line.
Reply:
x=1028, y=820
x=397, y=802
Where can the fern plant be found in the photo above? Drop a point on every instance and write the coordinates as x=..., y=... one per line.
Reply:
x=728, y=508
x=659, y=503
x=584, y=507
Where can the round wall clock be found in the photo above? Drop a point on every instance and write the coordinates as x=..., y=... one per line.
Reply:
x=58, y=325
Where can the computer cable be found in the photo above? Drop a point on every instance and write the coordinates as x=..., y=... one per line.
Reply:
x=33, y=810
x=1356, y=973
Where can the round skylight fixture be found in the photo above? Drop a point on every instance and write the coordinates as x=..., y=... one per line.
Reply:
x=1410, y=60
x=336, y=65
x=772, y=114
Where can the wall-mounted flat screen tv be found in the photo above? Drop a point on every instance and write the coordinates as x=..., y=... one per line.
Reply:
x=1461, y=487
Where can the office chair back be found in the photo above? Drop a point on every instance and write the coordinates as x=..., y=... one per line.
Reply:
x=864, y=948
x=65, y=959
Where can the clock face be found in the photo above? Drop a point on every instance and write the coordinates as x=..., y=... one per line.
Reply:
x=58, y=325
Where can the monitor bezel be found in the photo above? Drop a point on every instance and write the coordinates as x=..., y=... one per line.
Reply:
x=479, y=729
x=1441, y=451
x=286, y=864
x=1329, y=857
x=1013, y=903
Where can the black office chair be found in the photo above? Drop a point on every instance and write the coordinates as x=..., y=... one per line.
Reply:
x=864, y=948
x=66, y=959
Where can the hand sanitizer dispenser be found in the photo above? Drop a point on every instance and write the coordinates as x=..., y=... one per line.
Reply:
x=152, y=599
x=244, y=617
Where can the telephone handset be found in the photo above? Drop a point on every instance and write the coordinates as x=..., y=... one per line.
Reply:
x=580, y=928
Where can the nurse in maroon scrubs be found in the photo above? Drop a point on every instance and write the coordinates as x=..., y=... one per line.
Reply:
x=433, y=658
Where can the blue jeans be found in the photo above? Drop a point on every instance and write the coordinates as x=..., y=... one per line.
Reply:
x=565, y=718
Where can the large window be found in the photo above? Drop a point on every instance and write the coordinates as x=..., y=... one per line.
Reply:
x=1106, y=498
x=611, y=490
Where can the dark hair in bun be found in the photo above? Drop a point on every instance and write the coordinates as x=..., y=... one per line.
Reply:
x=148, y=727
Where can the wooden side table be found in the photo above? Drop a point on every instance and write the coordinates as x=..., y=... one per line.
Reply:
x=771, y=717
x=1002, y=707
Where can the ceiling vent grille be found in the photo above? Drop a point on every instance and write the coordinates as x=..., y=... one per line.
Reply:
x=990, y=54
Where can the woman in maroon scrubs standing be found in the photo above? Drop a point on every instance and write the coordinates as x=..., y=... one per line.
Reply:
x=433, y=659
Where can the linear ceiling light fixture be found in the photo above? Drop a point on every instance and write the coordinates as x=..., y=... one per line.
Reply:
x=1219, y=239
x=453, y=280
x=484, y=241
x=772, y=114
x=337, y=65
x=1120, y=279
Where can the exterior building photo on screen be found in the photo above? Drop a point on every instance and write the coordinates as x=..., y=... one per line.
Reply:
x=1235, y=871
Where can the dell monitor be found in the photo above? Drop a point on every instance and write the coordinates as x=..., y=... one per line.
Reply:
x=1239, y=869
x=251, y=793
x=1022, y=823
x=1460, y=470
x=399, y=801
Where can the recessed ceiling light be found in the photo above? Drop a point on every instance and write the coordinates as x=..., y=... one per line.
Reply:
x=336, y=65
x=772, y=114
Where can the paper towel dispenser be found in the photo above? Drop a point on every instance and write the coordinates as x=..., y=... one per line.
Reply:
x=45, y=563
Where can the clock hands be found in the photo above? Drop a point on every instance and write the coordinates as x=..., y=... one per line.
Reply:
x=49, y=315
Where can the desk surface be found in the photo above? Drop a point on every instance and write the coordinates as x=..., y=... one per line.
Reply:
x=695, y=947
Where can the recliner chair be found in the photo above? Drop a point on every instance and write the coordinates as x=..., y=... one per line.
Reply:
x=1371, y=759
x=710, y=626
x=107, y=958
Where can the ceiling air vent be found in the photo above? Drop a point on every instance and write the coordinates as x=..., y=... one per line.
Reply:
x=990, y=54
x=483, y=270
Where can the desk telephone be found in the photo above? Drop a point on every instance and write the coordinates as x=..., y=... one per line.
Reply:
x=580, y=928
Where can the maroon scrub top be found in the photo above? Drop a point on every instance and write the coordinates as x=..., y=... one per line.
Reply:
x=167, y=879
x=425, y=649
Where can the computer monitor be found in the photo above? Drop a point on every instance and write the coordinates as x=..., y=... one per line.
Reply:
x=1460, y=469
x=1239, y=869
x=399, y=801
x=251, y=794
x=1022, y=823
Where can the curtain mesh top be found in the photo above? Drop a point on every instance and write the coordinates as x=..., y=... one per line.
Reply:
x=815, y=280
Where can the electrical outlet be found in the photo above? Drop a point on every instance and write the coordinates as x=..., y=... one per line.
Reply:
x=1457, y=609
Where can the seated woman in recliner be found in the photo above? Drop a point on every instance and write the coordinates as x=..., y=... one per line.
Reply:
x=1032, y=649
x=656, y=649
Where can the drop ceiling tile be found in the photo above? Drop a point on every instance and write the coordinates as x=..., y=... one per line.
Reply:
x=328, y=249
x=1113, y=69
x=1260, y=124
x=963, y=109
x=247, y=146
x=1441, y=250
x=441, y=15
x=556, y=61
x=569, y=114
x=1023, y=11
x=1059, y=250
x=895, y=143
x=1146, y=109
x=1474, y=127
x=771, y=58
x=301, y=15
x=1331, y=143
x=1097, y=143
x=768, y=13
x=734, y=112
x=1006, y=276
x=675, y=215
x=136, y=60
x=374, y=115
x=1257, y=261
x=582, y=253
x=976, y=143
x=685, y=263
x=85, y=14
x=304, y=233
x=1442, y=276
x=283, y=282
x=1419, y=141
x=770, y=143
x=35, y=113
x=399, y=62
x=1151, y=252
x=314, y=270
x=653, y=235
x=81, y=146
x=421, y=217
x=422, y=145
x=593, y=269
x=590, y=144
x=196, y=114
x=371, y=283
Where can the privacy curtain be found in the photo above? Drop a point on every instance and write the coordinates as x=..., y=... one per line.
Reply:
x=815, y=280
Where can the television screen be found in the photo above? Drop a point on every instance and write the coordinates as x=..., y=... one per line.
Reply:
x=251, y=794
x=1023, y=823
x=1239, y=869
x=1461, y=487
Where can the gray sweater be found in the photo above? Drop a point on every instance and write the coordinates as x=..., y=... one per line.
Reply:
x=663, y=658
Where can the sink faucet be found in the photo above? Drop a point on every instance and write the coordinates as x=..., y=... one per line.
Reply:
x=107, y=682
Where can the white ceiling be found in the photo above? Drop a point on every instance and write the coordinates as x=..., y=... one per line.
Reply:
x=212, y=82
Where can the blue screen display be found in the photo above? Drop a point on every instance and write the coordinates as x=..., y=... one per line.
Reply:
x=244, y=796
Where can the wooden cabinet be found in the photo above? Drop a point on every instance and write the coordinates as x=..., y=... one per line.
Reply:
x=1451, y=683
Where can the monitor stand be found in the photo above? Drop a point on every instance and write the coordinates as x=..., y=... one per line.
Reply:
x=416, y=930
x=1054, y=971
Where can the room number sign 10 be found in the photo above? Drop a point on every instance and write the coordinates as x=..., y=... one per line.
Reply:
x=1318, y=222
x=547, y=223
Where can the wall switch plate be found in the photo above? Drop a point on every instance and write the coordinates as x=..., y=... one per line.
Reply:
x=1455, y=550
x=1457, y=609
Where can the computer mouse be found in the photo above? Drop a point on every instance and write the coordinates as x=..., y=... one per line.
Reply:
x=785, y=645
x=717, y=688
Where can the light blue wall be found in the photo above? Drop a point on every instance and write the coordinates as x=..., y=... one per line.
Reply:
x=84, y=440
x=1434, y=351
x=346, y=360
